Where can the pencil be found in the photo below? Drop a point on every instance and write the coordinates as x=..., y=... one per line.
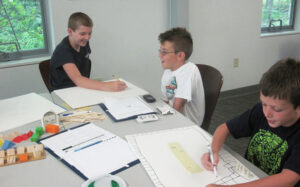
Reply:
x=116, y=78
x=212, y=160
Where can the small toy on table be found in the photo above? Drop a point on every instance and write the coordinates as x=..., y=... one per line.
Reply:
x=50, y=122
x=7, y=145
x=1, y=142
x=22, y=137
x=39, y=131
x=2, y=154
x=51, y=128
x=23, y=157
x=22, y=154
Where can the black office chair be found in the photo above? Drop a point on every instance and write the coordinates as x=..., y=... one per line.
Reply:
x=44, y=67
x=212, y=82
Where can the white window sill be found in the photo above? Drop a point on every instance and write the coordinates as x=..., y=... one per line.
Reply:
x=263, y=35
x=24, y=62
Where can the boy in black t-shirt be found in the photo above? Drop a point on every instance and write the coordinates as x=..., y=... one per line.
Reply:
x=274, y=128
x=70, y=63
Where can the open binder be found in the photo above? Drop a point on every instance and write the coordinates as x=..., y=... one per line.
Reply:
x=90, y=151
x=125, y=109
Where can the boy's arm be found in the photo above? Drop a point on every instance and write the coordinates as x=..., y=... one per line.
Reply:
x=81, y=81
x=218, y=140
x=287, y=178
x=179, y=104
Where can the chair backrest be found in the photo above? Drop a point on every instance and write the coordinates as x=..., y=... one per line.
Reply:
x=44, y=67
x=212, y=82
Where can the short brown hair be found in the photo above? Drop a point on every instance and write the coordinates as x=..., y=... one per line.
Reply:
x=282, y=81
x=181, y=39
x=79, y=18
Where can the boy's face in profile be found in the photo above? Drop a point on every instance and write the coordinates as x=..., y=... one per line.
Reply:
x=279, y=112
x=80, y=36
x=167, y=55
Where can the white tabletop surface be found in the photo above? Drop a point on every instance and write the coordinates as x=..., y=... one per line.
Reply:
x=52, y=172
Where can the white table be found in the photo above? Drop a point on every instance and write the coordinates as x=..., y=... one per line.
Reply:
x=51, y=172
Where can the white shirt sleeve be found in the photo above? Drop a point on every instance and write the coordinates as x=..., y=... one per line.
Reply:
x=184, y=88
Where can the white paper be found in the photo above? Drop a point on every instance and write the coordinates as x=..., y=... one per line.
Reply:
x=124, y=108
x=79, y=97
x=165, y=169
x=91, y=158
x=21, y=110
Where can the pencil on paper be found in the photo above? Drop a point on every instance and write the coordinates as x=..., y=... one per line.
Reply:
x=116, y=78
x=212, y=160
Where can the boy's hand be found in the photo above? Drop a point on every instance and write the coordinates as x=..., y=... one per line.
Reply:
x=116, y=86
x=206, y=162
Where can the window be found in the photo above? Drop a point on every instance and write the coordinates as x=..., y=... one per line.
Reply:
x=23, y=31
x=278, y=15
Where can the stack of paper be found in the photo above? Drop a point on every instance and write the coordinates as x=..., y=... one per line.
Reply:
x=79, y=97
x=91, y=151
x=126, y=108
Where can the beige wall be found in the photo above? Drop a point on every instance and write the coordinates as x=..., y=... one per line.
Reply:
x=228, y=29
x=124, y=41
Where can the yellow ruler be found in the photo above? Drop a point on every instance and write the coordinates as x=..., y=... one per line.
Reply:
x=187, y=162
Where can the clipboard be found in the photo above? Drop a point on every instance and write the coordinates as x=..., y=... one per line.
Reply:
x=105, y=109
x=76, y=167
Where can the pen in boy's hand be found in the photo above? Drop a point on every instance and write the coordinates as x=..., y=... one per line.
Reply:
x=212, y=160
x=116, y=78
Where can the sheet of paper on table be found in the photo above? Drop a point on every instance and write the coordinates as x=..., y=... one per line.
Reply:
x=172, y=158
x=20, y=110
x=79, y=97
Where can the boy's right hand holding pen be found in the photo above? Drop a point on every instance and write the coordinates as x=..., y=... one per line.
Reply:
x=210, y=160
x=117, y=85
x=218, y=140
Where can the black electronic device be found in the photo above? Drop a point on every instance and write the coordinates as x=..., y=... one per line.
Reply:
x=149, y=98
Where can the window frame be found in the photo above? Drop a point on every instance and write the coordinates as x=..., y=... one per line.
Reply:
x=35, y=53
x=290, y=27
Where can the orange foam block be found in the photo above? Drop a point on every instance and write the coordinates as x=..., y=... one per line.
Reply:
x=50, y=128
x=23, y=157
